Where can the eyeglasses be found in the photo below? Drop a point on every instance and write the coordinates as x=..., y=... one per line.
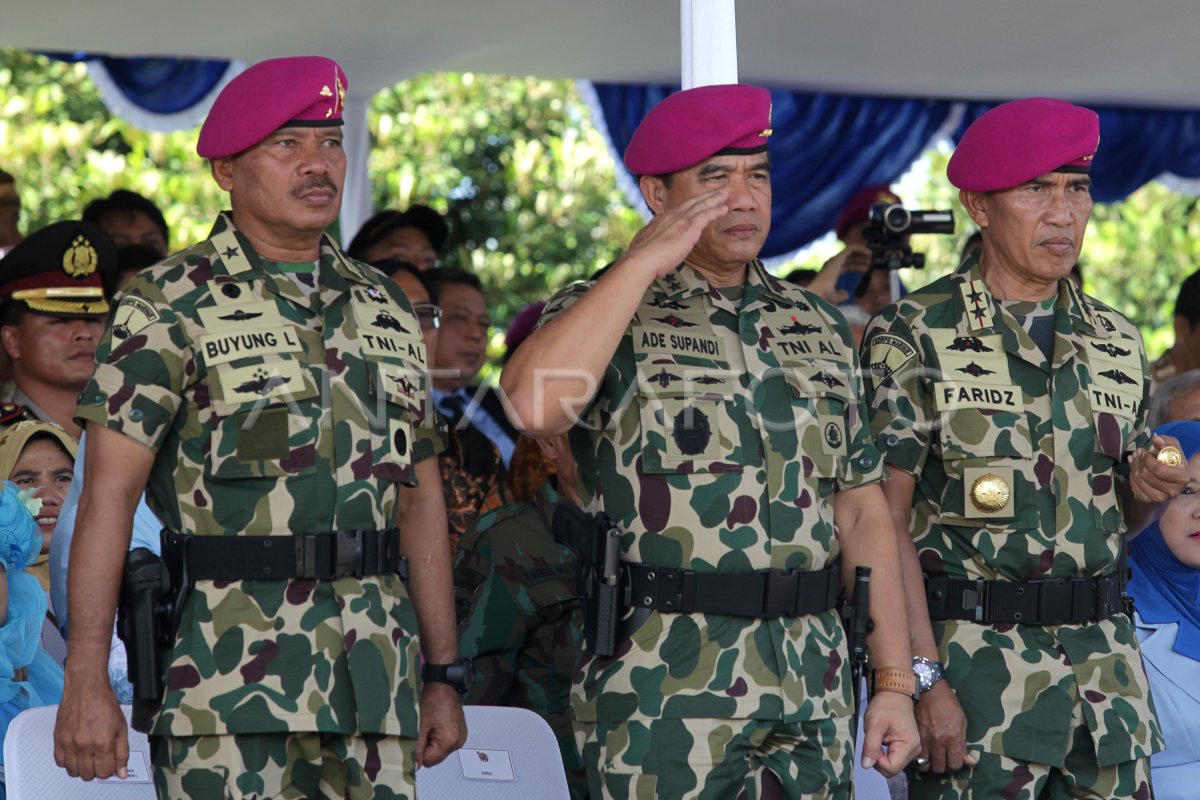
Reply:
x=428, y=315
x=461, y=319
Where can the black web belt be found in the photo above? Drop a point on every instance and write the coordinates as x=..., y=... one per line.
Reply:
x=1057, y=601
x=324, y=556
x=764, y=593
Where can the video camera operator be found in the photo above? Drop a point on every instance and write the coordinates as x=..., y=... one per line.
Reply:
x=876, y=244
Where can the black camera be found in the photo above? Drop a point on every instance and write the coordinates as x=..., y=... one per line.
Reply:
x=888, y=228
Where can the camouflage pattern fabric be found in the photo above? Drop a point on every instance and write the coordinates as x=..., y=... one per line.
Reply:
x=1080, y=776
x=719, y=759
x=958, y=391
x=297, y=766
x=275, y=410
x=716, y=440
x=519, y=618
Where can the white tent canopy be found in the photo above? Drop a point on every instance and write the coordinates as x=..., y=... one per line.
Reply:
x=1098, y=51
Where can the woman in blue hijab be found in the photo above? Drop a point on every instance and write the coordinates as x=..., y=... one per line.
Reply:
x=1165, y=559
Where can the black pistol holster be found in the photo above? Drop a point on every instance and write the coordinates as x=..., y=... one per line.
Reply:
x=856, y=615
x=153, y=591
x=597, y=541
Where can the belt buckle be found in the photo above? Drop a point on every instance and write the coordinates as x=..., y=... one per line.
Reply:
x=1056, y=601
x=780, y=593
x=306, y=554
x=348, y=552
x=977, y=598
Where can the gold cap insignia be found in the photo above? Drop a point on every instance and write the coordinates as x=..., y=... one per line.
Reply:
x=990, y=493
x=80, y=259
x=1171, y=456
x=765, y=132
x=326, y=91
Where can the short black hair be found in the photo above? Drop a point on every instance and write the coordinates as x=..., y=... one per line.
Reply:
x=443, y=275
x=1187, y=302
x=390, y=266
x=127, y=202
x=133, y=258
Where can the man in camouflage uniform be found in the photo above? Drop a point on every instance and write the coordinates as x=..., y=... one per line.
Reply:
x=715, y=414
x=518, y=609
x=265, y=388
x=1005, y=402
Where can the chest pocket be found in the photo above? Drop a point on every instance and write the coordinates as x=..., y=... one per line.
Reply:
x=986, y=449
x=260, y=423
x=820, y=394
x=687, y=423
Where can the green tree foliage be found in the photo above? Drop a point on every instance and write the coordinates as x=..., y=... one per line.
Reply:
x=517, y=167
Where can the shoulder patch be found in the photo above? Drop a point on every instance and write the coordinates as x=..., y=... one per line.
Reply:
x=887, y=354
x=132, y=314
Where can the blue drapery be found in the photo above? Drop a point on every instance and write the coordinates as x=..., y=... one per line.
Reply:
x=159, y=85
x=826, y=147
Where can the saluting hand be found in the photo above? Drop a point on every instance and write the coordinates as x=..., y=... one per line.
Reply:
x=889, y=721
x=1152, y=481
x=670, y=236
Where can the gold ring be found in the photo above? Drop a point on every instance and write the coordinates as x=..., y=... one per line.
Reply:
x=1170, y=455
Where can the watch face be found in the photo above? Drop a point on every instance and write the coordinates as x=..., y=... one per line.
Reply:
x=924, y=675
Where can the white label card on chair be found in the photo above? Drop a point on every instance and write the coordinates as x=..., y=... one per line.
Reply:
x=486, y=765
x=139, y=769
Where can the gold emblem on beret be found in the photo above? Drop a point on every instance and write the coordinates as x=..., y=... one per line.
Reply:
x=1171, y=456
x=326, y=91
x=765, y=132
x=80, y=259
x=990, y=493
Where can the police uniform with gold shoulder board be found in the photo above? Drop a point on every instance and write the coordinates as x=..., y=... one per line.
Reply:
x=54, y=272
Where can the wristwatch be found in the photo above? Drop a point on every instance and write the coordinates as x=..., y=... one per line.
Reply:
x=460, y=674
x=894, y=679
x=928, y=672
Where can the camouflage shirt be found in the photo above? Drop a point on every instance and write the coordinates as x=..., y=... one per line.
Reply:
x=274, y=410
x=519, y=617
x=958, y=390
x=717, y=439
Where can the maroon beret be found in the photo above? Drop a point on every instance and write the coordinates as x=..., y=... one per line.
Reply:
x=1015, y=142
x=303, y=90
x=858, y=209
x=690, y=126
x=522, y=325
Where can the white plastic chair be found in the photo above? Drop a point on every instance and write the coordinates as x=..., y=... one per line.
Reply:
x=31, y=774
x=510, y=754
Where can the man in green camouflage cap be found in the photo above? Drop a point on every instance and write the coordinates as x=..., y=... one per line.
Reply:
x=518, y=608
x=715, y=414
x=1006, y=404
x=270, y=394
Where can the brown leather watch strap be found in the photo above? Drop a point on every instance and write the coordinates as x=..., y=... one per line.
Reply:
x=901, y=680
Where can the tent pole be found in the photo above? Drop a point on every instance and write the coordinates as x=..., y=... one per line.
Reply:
x=356, y=194
x=708, y=46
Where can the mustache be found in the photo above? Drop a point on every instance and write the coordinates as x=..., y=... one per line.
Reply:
x=315, y=182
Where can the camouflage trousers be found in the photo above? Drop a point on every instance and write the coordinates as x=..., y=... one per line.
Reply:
x=312, y=766
x=998, y=777
x=718, y=759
